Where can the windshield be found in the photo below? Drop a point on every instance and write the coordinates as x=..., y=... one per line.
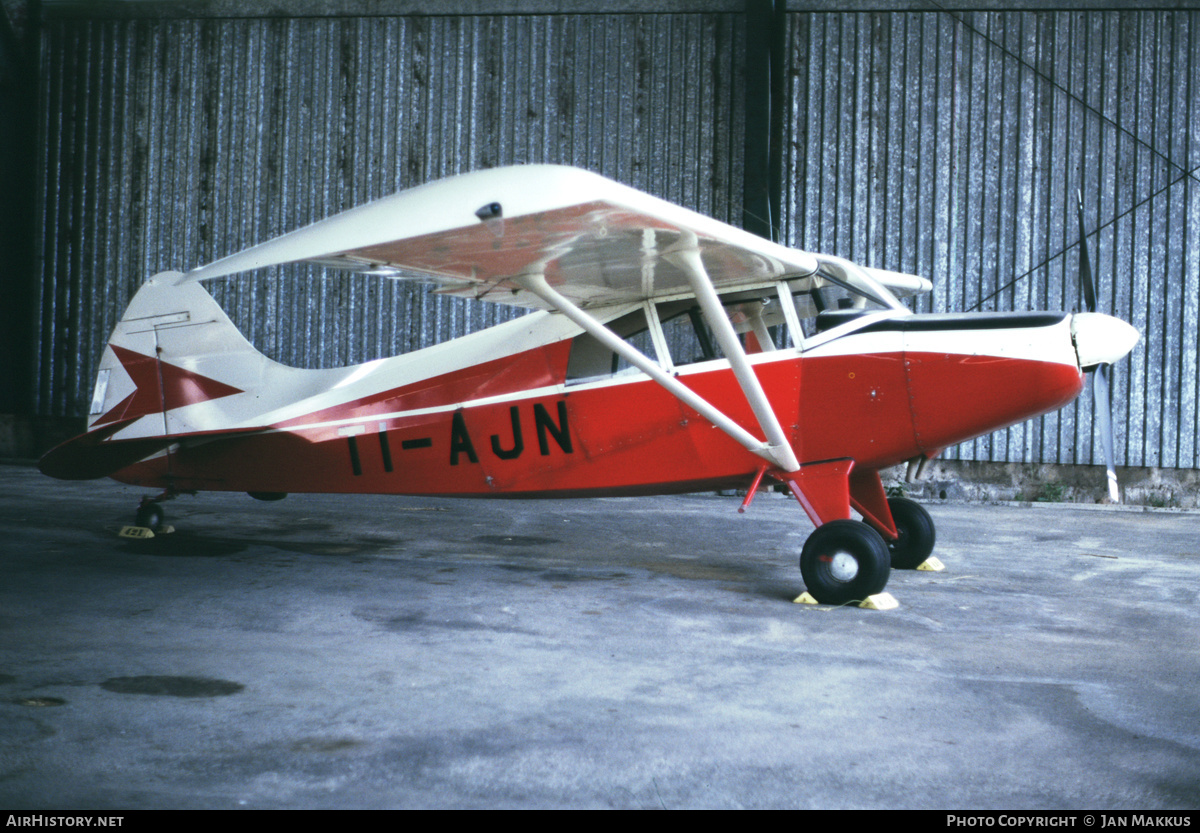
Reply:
x=845, y=285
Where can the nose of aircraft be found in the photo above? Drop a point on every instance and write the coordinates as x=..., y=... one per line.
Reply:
x=1101, y=339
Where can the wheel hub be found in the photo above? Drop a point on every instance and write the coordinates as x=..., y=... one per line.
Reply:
x=843, y=566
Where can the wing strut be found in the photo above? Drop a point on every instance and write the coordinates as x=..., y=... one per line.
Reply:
x=783, y=457
x=688, y=259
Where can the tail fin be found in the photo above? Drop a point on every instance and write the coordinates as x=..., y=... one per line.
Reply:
x=174, y=347
x=175, y=364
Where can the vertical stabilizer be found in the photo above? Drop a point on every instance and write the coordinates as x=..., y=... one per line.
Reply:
x=174, y=364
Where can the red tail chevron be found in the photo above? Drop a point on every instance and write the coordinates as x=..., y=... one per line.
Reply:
x=160, y=387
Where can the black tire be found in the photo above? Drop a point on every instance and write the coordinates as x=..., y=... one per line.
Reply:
x=151, y=516
x=844, y=561
x=917, y=534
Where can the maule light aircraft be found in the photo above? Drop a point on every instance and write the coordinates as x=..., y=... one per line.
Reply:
x=667, y=352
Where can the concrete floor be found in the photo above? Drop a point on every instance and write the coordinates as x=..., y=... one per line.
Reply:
x=334, y=652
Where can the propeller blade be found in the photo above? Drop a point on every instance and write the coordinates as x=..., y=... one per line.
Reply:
x=1085, y=264
x=1102, y=393
x=1101, y=381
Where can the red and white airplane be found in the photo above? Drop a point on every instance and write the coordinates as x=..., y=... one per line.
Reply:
x=667, y=352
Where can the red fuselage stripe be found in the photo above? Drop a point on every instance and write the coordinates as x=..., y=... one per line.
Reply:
x=627, y=438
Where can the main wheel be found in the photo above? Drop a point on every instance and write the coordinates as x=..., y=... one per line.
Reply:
x=917, y=535
x=844, y=561
x=151, y=516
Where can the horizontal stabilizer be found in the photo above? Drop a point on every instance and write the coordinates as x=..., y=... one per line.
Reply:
x=93, y=455
x=88, y=456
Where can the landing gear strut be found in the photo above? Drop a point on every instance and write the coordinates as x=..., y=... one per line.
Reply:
x=844, y=561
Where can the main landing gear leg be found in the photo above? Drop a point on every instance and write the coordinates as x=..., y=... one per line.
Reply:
x=903, y=523
x=843, y=560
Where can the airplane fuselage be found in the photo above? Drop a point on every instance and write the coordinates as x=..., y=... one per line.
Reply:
x=876, y=391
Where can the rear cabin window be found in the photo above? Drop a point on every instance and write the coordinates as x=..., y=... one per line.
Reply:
x=592, y=360
x=688, y=337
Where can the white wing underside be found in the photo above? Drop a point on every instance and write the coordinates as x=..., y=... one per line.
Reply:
x=597, y=242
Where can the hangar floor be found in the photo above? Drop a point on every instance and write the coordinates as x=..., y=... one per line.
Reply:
x=334, y=652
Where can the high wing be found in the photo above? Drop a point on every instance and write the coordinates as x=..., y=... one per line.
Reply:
x=595, y=241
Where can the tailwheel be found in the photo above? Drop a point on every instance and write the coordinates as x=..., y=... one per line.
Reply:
x=917, y=534
x=151, y=516
x=844, y=561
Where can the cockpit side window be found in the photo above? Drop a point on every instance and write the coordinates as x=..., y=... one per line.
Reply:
x=767, y=317
x=688, y=336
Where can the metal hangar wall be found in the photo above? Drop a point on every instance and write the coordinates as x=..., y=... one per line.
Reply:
x=921, y=137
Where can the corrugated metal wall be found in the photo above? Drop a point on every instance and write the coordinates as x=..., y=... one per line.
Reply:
x=953, y=144
x=170, y=143
x=947, y=144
